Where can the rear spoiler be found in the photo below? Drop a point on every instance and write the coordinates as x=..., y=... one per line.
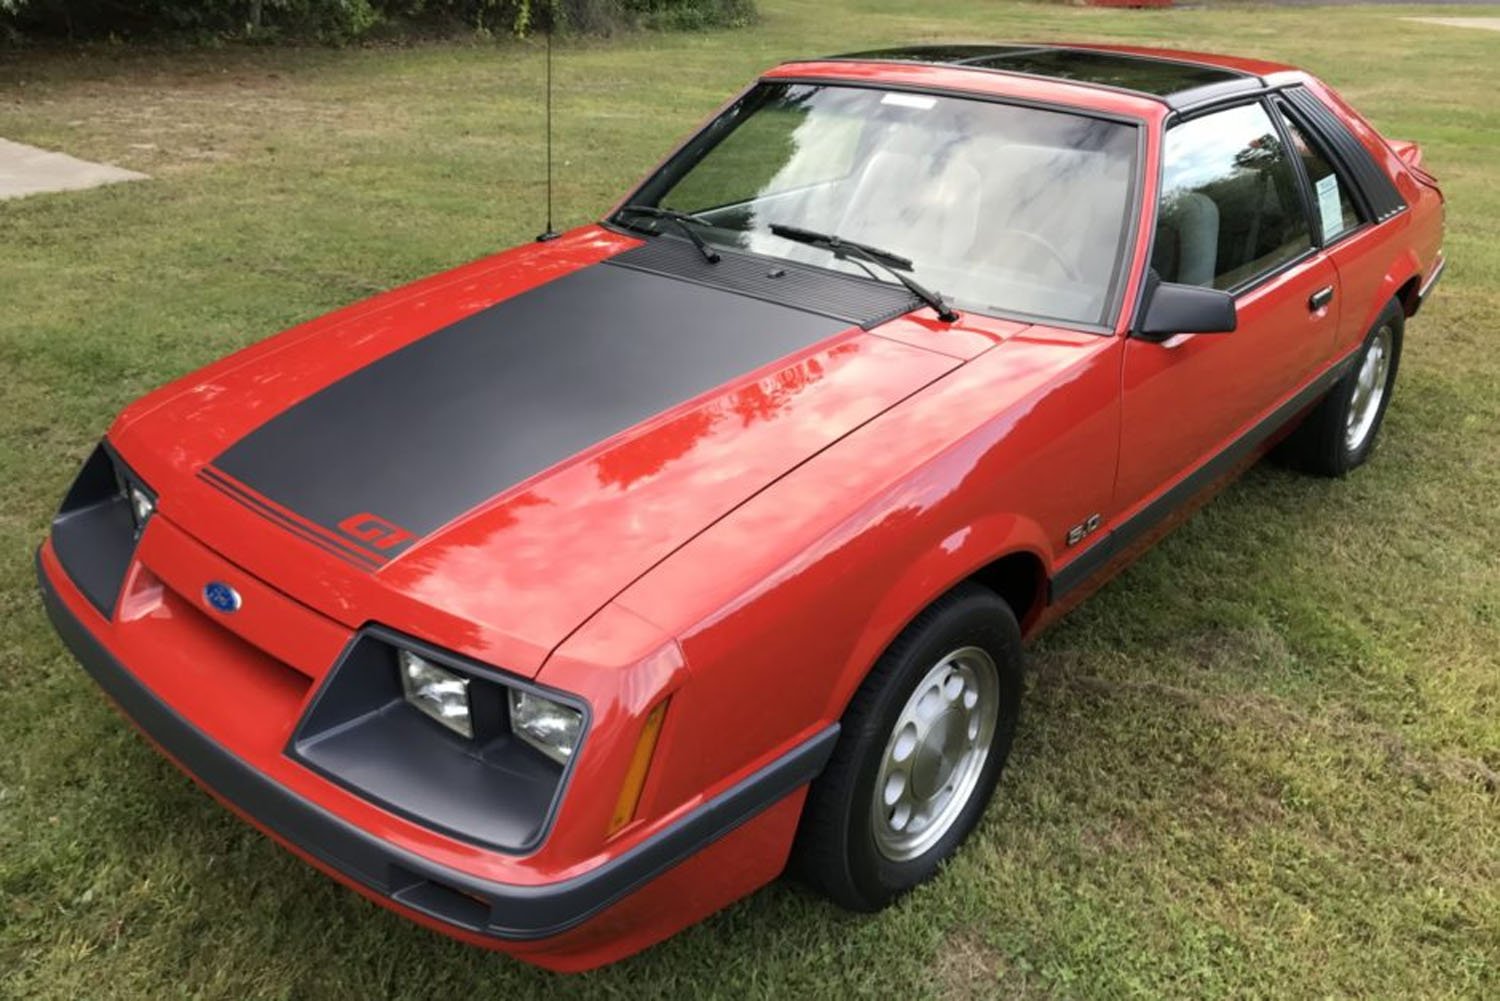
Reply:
x=1410, y=153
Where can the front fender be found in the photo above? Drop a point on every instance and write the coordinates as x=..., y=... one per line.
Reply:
x=782, y=606
x=949, y=559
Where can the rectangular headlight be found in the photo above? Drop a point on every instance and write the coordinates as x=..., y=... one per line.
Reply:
x=141, y=502
x=436, y=691
x=548, y=726
x=141, y=507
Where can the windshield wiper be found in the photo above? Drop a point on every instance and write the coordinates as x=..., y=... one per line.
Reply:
x=894, y=263
x=687, y=223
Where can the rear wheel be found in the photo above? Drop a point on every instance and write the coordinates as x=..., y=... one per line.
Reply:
x=1340, y=432
x=921, y=748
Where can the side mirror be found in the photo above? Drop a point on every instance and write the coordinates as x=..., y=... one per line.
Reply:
x=1185, y=309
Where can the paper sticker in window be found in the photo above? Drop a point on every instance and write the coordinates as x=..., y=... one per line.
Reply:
x=1330, y=210
x=909, y=101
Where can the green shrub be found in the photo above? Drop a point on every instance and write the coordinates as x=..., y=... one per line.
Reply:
x=346, y=20
x=691, y=15
x=83, y=19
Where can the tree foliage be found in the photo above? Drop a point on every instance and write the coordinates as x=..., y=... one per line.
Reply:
x=347, y=20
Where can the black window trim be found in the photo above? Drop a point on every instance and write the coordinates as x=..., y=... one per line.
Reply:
x=1300, y=177
x=1290, y=92
x=1368, y=174
x=1282, y=112
x=1255, y=281
x=1117, y=307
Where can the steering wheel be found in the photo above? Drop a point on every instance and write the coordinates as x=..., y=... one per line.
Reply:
x=1042, y=242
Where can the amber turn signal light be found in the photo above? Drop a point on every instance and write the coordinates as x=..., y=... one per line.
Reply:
x=635, y=775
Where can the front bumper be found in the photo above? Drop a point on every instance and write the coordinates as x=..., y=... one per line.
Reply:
x=459, y=902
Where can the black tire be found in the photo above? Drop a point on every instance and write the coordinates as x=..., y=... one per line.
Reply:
x=1320, y=445
x=836, y=849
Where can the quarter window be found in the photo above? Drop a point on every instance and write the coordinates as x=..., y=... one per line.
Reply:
x=1231, y=209
x=1333, y=206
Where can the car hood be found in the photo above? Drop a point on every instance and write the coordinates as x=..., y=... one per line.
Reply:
x=486, y=458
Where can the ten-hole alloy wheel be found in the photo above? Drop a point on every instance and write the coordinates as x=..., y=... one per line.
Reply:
x=936, y=754
x=922, y=746
x=1340, y=432
x=1367, y=399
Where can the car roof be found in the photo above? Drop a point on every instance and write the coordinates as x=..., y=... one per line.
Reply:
x=1166, y=77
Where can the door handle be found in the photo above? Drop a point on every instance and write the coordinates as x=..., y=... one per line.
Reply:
x=1320, y=298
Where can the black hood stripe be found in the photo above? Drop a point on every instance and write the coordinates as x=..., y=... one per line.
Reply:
x=315, y=534
x=417, y=438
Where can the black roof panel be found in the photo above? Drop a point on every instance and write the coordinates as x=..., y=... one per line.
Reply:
x=1159, y=77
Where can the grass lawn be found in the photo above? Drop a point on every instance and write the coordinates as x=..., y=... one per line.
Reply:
x=1263, y=762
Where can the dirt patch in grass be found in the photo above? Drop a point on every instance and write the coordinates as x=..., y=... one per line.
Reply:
x=968, y=969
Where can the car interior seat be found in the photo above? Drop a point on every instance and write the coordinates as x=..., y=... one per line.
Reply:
x=1187, y=240
x=901, y=198
x=1072, y=199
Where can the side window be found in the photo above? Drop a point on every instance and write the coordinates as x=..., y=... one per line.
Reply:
x=1231, y=209
x=1332, y=203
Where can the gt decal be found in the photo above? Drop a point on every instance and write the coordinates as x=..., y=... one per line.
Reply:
x=375, y=530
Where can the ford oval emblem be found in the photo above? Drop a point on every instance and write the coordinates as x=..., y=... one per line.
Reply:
x=221, y=597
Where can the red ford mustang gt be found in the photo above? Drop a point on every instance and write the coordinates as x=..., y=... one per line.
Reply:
x=561, y=599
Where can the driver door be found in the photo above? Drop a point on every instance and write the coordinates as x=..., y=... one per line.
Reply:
x=1232, y=216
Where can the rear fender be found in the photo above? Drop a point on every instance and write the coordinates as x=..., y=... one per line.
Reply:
x=1403, y=269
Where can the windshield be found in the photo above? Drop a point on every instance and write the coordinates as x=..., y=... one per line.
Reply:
x=998, y=207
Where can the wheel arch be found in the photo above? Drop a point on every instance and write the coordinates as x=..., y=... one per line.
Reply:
x=1007, y=554
x=1409, y=295
x=1401, y=282
x=1021, y=579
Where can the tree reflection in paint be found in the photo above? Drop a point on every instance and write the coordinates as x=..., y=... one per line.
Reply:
x=645, y=455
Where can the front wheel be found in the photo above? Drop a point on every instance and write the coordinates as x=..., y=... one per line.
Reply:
x=921, y=748
x=1340, y=432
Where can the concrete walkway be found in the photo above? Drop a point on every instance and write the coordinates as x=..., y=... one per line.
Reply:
x=27, y=170
x=1483, y=23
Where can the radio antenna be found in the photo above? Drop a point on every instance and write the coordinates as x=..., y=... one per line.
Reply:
x=549, y=233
